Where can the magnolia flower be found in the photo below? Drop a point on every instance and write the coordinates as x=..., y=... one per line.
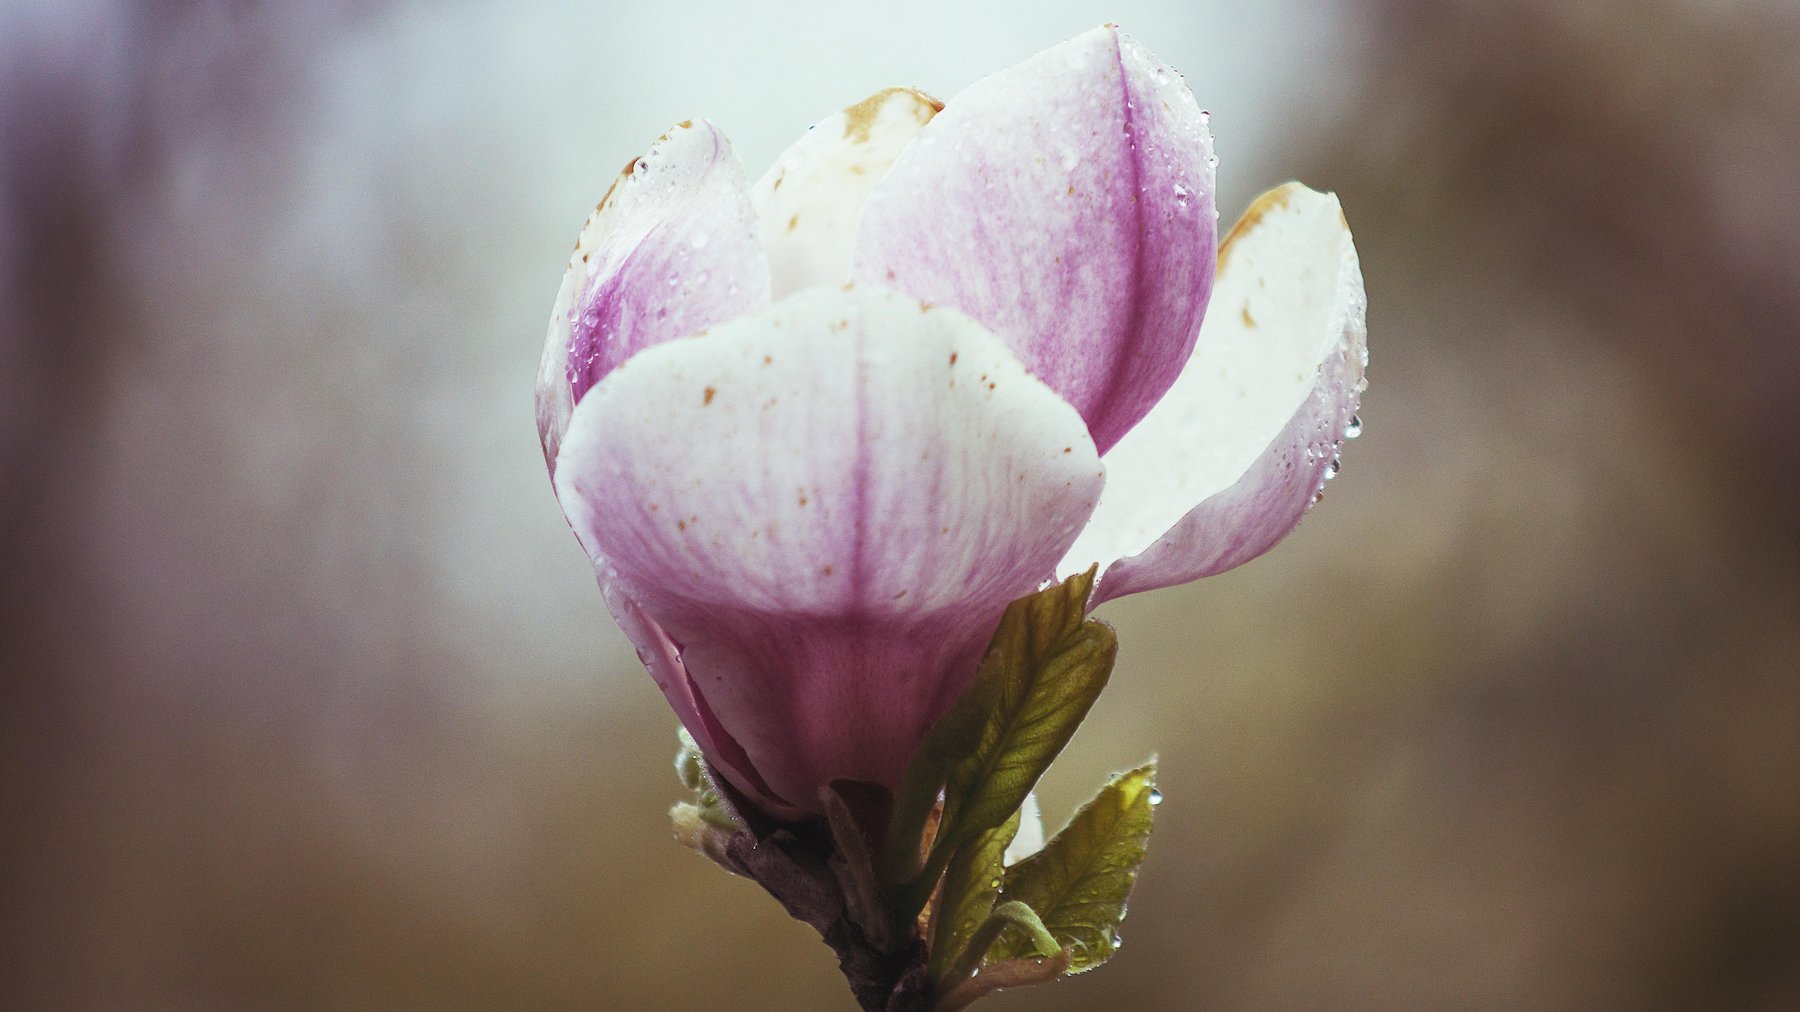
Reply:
x=815, y=433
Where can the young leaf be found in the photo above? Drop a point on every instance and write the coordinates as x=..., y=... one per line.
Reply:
x=1045, y=666
x=955, y=735
x=1049, y=665
x=1079, y=882
x=971, y=885
x=996, y=976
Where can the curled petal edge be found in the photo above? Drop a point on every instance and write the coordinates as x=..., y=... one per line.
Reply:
x=1303, y=233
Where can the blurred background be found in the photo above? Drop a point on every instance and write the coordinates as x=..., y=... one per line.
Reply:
x=308, y=700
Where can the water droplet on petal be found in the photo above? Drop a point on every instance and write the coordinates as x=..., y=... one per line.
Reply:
x=1355, y=427
x=1155, y=797
x=1331, y=469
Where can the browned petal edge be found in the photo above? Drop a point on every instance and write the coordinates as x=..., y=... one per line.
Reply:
x=859, y=119
x=605, y=198
x=1273, y=200
x=631, y=166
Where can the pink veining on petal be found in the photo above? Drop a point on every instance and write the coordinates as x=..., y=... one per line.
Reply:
x=671, y=250
x=828, y=508
x=1066, y=203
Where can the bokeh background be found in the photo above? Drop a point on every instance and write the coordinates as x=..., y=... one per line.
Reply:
x=308, y=701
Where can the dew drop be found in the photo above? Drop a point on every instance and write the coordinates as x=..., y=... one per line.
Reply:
x=1331, y=469
x=1355, y=427
x=1117, y=942
x=995, y=884
x=1155, y=797
x=1182, y=194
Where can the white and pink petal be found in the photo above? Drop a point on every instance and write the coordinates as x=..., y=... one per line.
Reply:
x=662, y=659
x=1067, y=204
x=826, y=510
x=670, y=250
x=1230, y=460
x=808, y=203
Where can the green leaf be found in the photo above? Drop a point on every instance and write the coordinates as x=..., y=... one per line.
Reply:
x=1049, y=663
x=971, y=886
x=1045, y=666
x=996, y=976
x=955, y=735
x=1079, y=882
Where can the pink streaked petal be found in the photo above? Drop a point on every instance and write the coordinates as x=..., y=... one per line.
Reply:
x=808, y=202
x=670, y=250
x=1067, y=204
x=828, y=508
x=1251, y=427
x=662, y=659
